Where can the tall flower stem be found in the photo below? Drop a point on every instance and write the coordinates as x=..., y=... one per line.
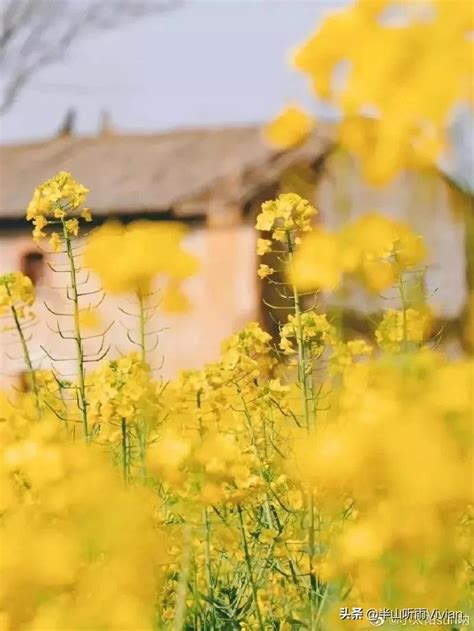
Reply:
x=125, y=451
x=403, y=301
x=304, y=378
x=142, y=324
x=248, y=564
x=27, y=357
x=207, y=534
x=142, y=429
x=180, y=609
x=82, y=398
x=207, y=553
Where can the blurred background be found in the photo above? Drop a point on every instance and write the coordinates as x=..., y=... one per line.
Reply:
x=153, y=66
x=158, y=108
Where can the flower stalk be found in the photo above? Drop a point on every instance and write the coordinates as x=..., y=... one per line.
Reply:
x=82, y=396
x=27, y=358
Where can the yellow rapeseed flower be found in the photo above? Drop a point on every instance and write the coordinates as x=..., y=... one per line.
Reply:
x=58, y=201
x=264, y=271
x=290, y=128
x=16, y=290
x=409, y=76
x=128, y=258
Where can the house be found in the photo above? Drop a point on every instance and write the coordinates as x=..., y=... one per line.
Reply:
x=214, y=180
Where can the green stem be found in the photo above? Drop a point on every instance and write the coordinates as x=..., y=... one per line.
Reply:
x=125, y=450
x=207, y=553
x=306, y=394
x=248, y=416
x=27, y=358
x=321, y=606
x=207, y=533
x=180, y=609
x=302, y=376
x=248, y=564
x=77, y=333
x=142, y=323
x=142, y=435
x=403, y=301
x=143, y=430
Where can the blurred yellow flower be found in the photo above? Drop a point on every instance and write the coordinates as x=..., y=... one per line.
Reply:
x=318, y=264
x=375, y=248
x=290, y=128
x=400, y=87
x=90, y=319
x=129, y=258
x=173, y=299
x=397, y=327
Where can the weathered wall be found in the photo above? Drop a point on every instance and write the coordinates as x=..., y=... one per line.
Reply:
x=223, y=293
x=421, y=200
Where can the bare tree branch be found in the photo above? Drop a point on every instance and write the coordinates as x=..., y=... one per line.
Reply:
x=37, y=33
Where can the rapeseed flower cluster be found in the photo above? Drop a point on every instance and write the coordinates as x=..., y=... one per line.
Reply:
x=399, y=327
x=375, y=249
x=313, y=330
x=288, y=213
x=16, y=291
x=147, y=250
x=58, y=202
x=122, y=388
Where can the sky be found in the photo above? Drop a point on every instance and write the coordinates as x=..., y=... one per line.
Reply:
x=208, y=63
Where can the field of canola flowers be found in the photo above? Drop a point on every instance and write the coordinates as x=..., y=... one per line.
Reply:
x=292, y=478
x=297, y=480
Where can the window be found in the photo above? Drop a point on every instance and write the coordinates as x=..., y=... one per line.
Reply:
x=33, y=265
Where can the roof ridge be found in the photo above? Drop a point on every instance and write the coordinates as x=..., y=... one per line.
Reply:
x=174, y=132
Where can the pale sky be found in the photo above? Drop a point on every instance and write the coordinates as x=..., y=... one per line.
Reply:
x=204, y=63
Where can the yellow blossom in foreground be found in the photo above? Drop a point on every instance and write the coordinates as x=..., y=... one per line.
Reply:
x=290, y=128
x=71, y=529
x=122, y=389
x=414, y=67
x=56, y=202
x=16, y=290
x=60, y=192
x=406, y=519
x=288, y=215
x=318, y=264
x=315, y=333
x=231, y=496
